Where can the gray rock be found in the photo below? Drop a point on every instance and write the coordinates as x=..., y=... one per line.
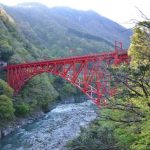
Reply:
x=19, y=122
x=55, y=129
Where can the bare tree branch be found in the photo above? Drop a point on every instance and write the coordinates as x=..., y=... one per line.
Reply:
x=120, y=120
x=142, y=14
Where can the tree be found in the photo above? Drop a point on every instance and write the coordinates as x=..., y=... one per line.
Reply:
x=5, y=54
x=6, y=104
x=5, y=89
x=135, y=77
x=140, y=46
x=128, y=112
x=6, y=108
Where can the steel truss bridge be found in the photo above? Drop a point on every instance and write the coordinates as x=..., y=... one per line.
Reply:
x=89, y=73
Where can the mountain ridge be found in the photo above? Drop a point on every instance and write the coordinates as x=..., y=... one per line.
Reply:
x=47, y=33
x=40, y=33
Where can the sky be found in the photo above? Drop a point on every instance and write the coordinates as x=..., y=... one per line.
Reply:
x=124, y=12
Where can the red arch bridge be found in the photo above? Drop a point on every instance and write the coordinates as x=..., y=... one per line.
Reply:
x=88, y=73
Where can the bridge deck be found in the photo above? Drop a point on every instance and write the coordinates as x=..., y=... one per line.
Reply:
x=102, y=56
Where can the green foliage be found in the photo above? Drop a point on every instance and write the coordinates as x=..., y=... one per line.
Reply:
x=128, y=112
x=139, y=49
x=6, y=104
x=22, y=109
x=58, y=38
x=5, y=89
x=142, y=134
x=6, y=108
x=69, y=88
x=117, y=128
x=39, y=93
x=142, y=140
x=5, y=51
x=131, y=111
x=64, y=88
x=135, y=135
x=23, y=39
x=97, y=137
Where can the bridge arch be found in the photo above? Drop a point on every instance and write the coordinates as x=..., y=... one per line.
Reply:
x=88, y=73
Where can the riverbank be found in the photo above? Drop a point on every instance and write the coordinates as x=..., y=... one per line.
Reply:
x=53, y=130
x=19, y=122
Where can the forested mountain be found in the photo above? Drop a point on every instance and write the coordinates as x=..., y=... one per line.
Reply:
x=32, y=31
x=59, y=31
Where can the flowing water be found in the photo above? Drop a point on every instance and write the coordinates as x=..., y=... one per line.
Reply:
x=51, y=132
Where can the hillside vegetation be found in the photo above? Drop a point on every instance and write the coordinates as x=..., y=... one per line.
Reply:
x=124, y=123
x=32, y=32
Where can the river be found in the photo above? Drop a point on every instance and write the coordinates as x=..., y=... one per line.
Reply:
x=54, y=130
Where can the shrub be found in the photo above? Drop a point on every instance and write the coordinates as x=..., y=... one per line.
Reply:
x=22, y=109
x=6, y=108
x=5, y=89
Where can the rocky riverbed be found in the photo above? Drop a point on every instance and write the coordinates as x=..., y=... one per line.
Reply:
x=19, y=122
x=52, y=131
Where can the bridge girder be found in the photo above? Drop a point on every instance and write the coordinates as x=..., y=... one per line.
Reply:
x=88, y=73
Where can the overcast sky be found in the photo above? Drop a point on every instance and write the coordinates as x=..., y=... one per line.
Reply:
x=121, y=11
